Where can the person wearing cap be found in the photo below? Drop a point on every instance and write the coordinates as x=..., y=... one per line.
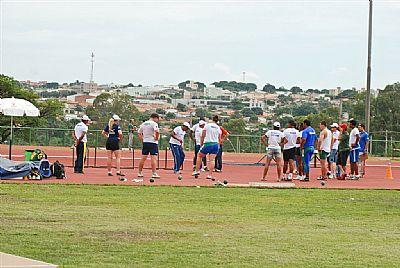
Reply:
x=210, y=138
x=80, y=137
x=308, y=138
x=275, y=140
x=332, y=159
x=197, y=130
x=149, y=134
x=343, y=151
x=364, y=142
x=176, y=145
x=289, y=149
x=113, y=133
x=324, y=148
x=354, y=149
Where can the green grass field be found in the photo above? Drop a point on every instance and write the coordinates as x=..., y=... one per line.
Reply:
x=118, y=226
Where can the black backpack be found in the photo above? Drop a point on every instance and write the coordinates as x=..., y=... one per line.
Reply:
x=58, y=170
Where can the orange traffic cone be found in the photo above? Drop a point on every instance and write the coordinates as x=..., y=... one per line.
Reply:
x=389, y=174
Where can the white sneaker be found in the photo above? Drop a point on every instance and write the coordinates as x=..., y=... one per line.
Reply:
x=289, y=177
x=195, y=173
x=202, y=170
x=155, y=176
x=140, y=175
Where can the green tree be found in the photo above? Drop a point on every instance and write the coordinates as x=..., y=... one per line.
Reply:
x=296, y=90
x=160, y=111
x=237, y=104
x=257, y=110
x=303, y=109
x=253, y=119
x=51, y=111
x=236, y=86
x=106, y=105
x=170, y=116
x=268, y=88
x=200, y=85
x=181, y=107
x=247, y=112
x=235, y=126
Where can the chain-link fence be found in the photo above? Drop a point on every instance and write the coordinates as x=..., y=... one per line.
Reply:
x=383, y=143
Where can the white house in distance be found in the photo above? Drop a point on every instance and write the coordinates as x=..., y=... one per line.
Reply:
x=214, y=92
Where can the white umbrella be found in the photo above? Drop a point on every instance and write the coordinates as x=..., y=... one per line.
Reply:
x=17, y=107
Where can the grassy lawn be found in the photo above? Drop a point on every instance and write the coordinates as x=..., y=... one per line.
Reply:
x=118, y=226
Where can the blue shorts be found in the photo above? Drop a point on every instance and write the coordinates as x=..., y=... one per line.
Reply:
x=150, y=148
x=333, y=156
x=210, y=149
x=354, y=155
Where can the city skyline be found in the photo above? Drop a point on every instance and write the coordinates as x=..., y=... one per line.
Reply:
x=309, y=44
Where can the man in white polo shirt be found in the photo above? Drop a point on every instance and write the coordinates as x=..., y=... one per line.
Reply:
x=275, y=140
x=80, y=138
x=197, y=130
x=289, y=149
x=176, y=145
x=149, y=134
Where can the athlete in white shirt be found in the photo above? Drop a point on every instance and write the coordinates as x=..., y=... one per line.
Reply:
x=354, y=149
x=149, y=134
x=80, y=138
x=210, y=139
x=176, y=145
x=195, y=134
x=324, y=148
x=332, y=159
x=289, y=149
x=275, y=140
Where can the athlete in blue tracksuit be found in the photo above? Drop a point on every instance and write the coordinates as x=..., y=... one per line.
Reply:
x=308, y=139
x=176, y=145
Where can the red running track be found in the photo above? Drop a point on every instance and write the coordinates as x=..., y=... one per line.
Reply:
x=234, y=174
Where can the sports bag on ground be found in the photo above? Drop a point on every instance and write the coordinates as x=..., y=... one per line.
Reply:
x=58, y=170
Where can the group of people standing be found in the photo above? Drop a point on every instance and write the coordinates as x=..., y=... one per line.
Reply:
x=334, y=146
x=208, y=139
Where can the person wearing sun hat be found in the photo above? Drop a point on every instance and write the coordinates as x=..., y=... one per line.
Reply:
x=113, y=133
x=176, y=145
x=80, y=138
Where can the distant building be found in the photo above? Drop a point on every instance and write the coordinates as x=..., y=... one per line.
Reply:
x=192, y=85
x=335, y=91
x=89, y=87
x=214, y=92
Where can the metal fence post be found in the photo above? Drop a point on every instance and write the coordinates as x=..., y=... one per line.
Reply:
x=30, y=136
x=386, y=143
x=370, y=145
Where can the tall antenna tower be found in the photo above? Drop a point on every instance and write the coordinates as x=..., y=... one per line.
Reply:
x=244, y=77
x=92, y=66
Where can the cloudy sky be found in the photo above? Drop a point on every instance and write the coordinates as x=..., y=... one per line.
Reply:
x=312, y=44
